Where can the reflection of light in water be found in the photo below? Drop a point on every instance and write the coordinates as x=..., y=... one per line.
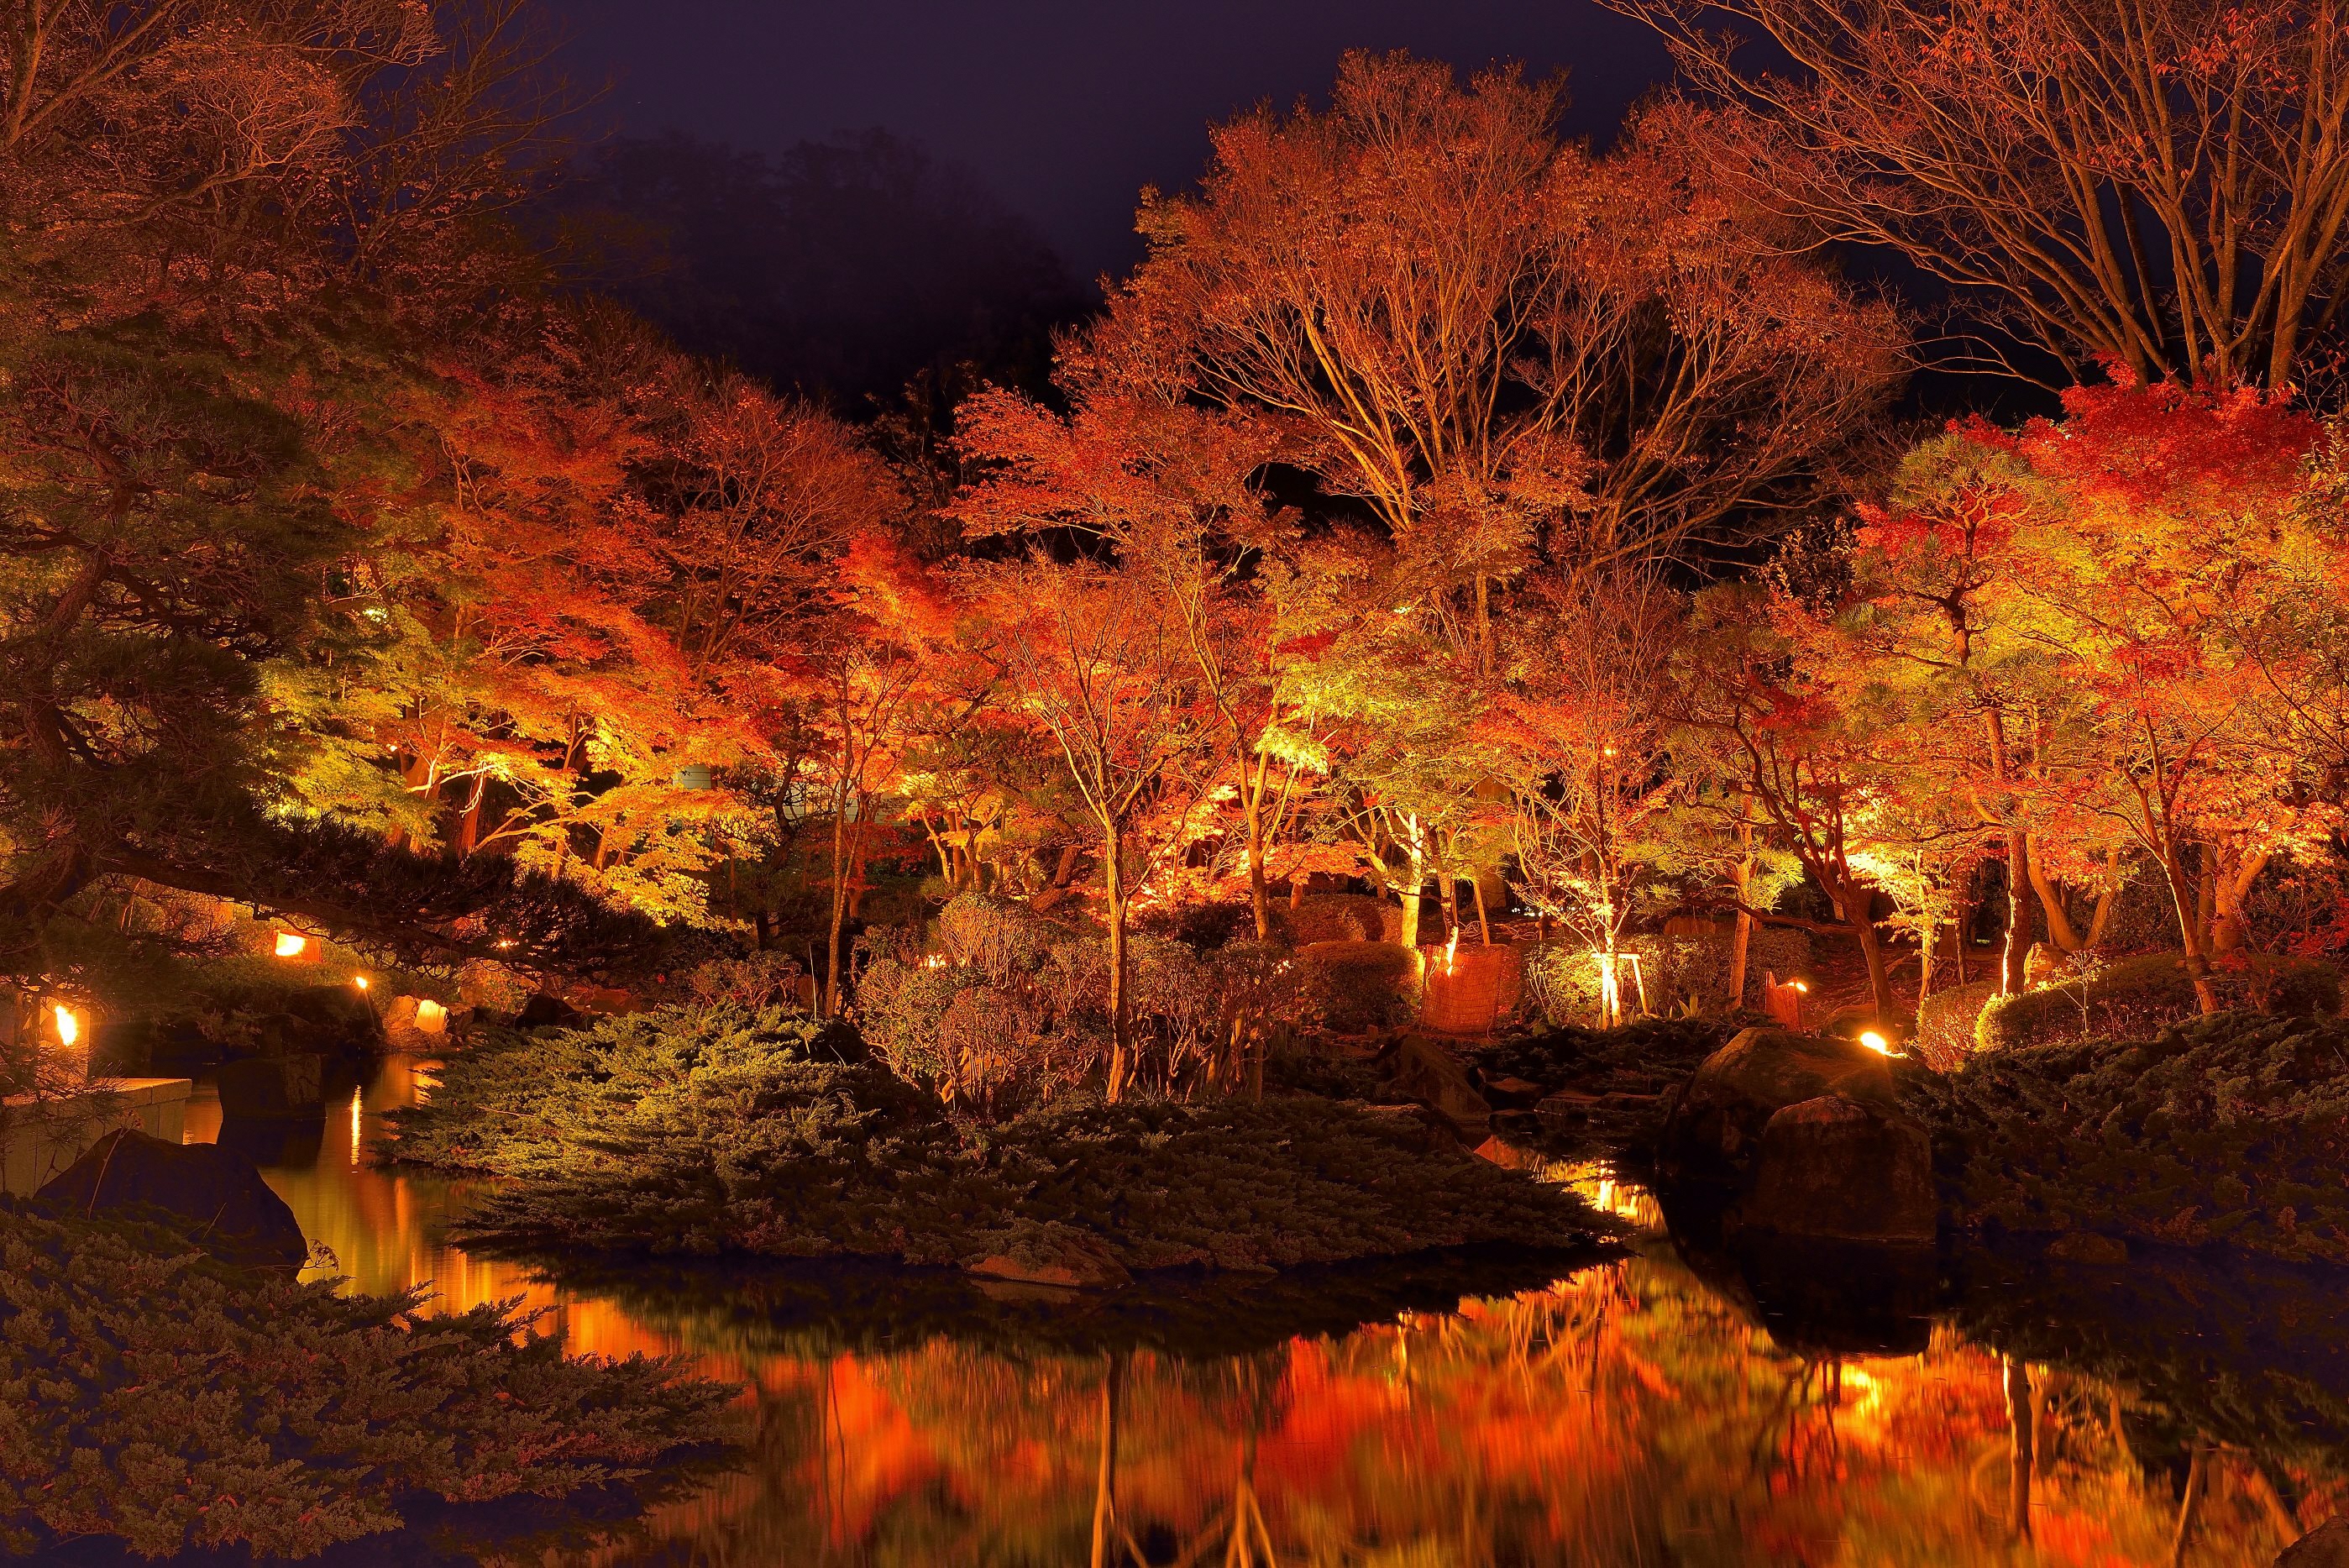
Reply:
x=1625, y=1413
x=1595, y=1182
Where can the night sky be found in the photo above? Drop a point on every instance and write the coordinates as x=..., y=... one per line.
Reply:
x=1062, y=109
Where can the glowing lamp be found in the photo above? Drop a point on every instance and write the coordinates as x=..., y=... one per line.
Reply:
x=1876, y=1043
x=1800, y=988
x=291, y=944
x=360, y=980
x=69, y=1026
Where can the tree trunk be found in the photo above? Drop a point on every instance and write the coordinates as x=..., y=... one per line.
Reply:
x=2016, y=950
x=2206, y=895
x=1958, y=936
x=2189, y=1506
x=469, y=825
x=2236, y=874
x=1414, y=884
x=1484, y=918
x=2190, y=930
x=1855, y=903
x=1259, y=903
x=1929, y=933
x=2016, y=947
x=1113, y=887
x=839, y=910
x=1741, y=943
x=2060, y=929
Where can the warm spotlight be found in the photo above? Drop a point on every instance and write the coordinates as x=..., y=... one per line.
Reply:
x=292, y=944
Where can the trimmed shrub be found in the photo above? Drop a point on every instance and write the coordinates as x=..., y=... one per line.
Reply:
x=1358, y=986
x=2136, y=996
x=715, y=1132
x=995, y=936
x=768, y=979
x=1945, y=1024
x=2232, y=1128
x=1336, y=918
x=899, y=1007
x=152, y=1395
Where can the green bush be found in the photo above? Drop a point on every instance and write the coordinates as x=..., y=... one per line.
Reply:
x=2136, y=996
x=2232, y=1128
x=1358, y=986
x=716, y=1132
x=152, y=1395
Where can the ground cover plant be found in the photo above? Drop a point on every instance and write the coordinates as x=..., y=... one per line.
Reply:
x=153, y=1395
x=2135, y=997
x=722, y=1130
x=2232, y=1129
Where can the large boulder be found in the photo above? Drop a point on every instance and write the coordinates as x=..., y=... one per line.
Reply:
x=1838, y=1170
x=217, y=1196
x=2326, y=1546
x=1714, y=1128
x=273, y=1088
x=1420, y=1070
x=1063, y=1257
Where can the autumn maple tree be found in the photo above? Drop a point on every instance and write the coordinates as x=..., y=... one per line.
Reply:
x=2161, y=182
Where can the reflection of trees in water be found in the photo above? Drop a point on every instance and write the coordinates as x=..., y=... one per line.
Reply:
x=1624, y=1415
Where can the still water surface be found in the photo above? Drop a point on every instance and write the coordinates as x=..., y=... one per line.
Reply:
x=1630, y=1413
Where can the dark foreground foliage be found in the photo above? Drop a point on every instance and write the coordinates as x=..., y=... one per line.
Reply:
x=726, y=1131
x=149, y=1394
x=2230, y=1129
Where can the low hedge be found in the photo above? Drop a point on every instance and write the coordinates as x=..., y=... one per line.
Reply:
x=152, y=1395
x=1336, y=918
x=2230, y=1129
x=717, y=1131
x=1946, y=1023
x=2136, y=996
x=1358, y=986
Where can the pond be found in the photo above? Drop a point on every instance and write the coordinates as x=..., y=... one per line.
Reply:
x=1674, y=1406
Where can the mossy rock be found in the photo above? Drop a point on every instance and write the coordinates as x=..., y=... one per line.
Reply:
x=2136, y=996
